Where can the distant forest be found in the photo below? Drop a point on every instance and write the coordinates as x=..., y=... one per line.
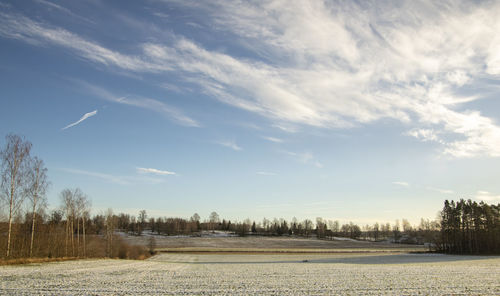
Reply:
x=28, y=230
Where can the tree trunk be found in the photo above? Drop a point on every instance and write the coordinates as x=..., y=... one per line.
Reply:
x=83, y=226
x=66, y=238
x=11, y=205
x=33, y=226
x=78, y=237
x=72, y=237
x=32, y=234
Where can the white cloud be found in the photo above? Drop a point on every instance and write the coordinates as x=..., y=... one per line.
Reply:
x=273, y=139
x=487, y=196
x=318, y=164
x=141, y=102
x=424, y=134
x=286, y=127
x=230, y=144
x=304, y=157
x=266, y=173
x=121, y=180
x=444, y=191
x=85, y=116
x=52, y=5
x=401, y=183
x=352, y=73
x=329, y=65
x=106, y=177
x=20, y=27
x=155, y=171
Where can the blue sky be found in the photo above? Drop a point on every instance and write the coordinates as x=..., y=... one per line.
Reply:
x=353, y=111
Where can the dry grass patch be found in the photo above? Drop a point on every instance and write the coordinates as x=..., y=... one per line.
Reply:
x=34, y=260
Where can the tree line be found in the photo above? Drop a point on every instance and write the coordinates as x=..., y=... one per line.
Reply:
x=404, y=232
x=468, y=227
x=28, y=230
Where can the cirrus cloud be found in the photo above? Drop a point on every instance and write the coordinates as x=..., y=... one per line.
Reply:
x=230, y=144
x=401, y=183
x=155, y=171
x=327, y=64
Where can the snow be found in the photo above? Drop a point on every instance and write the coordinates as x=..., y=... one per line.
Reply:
x=208, y=234
x=236, y=274
x=345, y=239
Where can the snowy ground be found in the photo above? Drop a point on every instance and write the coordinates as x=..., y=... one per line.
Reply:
x=222, y=240
x=204, y=234
x=236, y=274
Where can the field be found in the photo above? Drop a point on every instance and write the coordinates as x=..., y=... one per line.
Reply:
x=260, y=274
x=266, y=244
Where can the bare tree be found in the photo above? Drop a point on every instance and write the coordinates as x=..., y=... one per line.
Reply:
x=308, y=225
x=334, y=226
x=407, y=228
x=213, y=219
x=195, y=220
x=14, y=170
x=142, y=221
x=82, y=205
x=110, y=228
x=376, y=230
x=85, y=217
x=68, y=205
x=195, y=217
x=38, y=188
x=320, y=227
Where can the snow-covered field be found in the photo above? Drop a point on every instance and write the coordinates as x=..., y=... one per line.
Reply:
x=233, y=274
x=221, y=240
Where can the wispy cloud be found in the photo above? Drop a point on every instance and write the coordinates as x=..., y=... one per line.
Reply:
x=19, y=27
x=304, y=157
x=60, y=8
x=444, y=191
x=401, y=183
x=106, y=177
x=141, y=102
x=289, y=128
x=121, y=180
x=312, y=83
x=266, y=173
x=84, y=117
x=487, y=196
x=424, y=135
x=155, y=171
x=230, y=144
x=348, y=75
x=273, y=139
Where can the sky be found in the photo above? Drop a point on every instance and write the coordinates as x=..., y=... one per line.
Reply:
x=357, y=111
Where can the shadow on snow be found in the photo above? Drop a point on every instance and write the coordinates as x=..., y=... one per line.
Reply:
x=375, y=259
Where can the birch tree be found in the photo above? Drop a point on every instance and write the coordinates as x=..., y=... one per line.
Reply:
x=38, y=187
x=83, y=209
x=14, y=173
x=79, y=200
x=68, y=205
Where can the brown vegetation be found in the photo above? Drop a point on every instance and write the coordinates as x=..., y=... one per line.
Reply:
x=66, y=233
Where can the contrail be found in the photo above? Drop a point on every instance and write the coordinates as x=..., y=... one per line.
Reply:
x=85, y=116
